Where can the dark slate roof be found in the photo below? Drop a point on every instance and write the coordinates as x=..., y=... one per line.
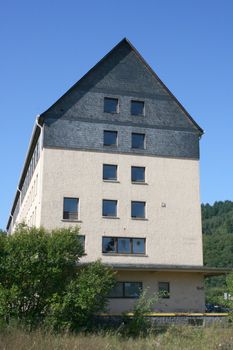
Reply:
x=124, y=42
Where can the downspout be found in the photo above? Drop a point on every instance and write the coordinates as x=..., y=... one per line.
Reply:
x=41, y=131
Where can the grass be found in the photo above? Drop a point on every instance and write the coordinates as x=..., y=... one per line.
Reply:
x=174, y=338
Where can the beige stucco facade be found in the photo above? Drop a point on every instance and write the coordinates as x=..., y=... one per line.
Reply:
x=172, y=232
x=186, y=291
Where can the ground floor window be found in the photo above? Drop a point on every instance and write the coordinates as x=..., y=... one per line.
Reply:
x=164, y=290
x=81, y=239
x=126, y=290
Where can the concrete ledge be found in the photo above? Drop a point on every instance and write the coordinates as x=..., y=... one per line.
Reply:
x=192, y=319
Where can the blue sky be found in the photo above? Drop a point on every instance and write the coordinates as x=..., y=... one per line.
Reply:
x=46, y=46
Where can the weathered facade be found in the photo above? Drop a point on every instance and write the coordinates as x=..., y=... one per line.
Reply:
x=119, y=156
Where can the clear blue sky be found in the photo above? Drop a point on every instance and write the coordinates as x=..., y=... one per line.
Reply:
x=46, y=46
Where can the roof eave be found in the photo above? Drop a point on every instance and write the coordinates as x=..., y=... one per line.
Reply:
x=35, y=135
x=206, y=271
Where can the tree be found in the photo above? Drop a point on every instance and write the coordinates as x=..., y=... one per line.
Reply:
x=84, y=297
x=42, y=282
x=35, y=264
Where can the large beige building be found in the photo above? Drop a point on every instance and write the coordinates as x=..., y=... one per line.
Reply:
x=119, y=156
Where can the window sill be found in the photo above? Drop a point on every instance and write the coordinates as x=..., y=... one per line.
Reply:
x=138, y=149
x=110, y=217
x=138, y=183
x=111, y=181
x=126, y=254
x=70, y=220
x=142, y=219
x=110, y=146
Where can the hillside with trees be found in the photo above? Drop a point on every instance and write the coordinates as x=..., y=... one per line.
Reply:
x=217, y=228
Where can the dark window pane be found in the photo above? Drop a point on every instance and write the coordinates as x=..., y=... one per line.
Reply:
x=109, y=172
x=110, y=138
x=117, y=291
x=138, y=141
x=109, y=245
x=70, y=209
x=109, y=207
x=164, y=290
x=138, y=174
x=124, y=245
x=138, y=246
x=137, y=107
x=138, y=209
x=81, y=239
x=110, y=105
x=132, y=289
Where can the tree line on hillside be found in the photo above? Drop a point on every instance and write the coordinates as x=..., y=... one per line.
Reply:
x=217, y=227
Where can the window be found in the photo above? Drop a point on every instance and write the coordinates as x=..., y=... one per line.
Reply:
x=70, y=208
x=110, y=138
x=138, y=141
x=137, y=108
x=111, y=105
x=138, y=210
x=109, y=208
x=164, y=290
x=137, y=174
x=109, y=172
x=123, y=245
x=109, y=245
x=126, y=290
x=81, y=239
x=138, y=246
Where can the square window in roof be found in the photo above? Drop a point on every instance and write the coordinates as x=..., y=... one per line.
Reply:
x=138, y=141
x=110, y=138
x=111, y=105
x=137, y=108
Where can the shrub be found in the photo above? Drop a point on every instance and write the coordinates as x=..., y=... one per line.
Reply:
x=138, y=325
x=85, y=296
x=34, y=265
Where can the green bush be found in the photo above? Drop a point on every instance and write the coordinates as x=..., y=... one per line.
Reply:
x=85, y=296
x=40, y=278
x=138, y=325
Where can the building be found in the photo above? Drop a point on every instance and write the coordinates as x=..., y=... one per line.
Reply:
x=118, y=155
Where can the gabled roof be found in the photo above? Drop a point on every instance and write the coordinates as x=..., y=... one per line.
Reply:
x=125, y=41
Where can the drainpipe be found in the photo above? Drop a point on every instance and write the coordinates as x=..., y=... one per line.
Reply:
x=19, y=196
x=41, y=130
x=10, y=227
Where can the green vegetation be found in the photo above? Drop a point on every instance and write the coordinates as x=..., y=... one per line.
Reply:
x=41, y=282
x=174, y=338
x=138, y=325
x=217, y=223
